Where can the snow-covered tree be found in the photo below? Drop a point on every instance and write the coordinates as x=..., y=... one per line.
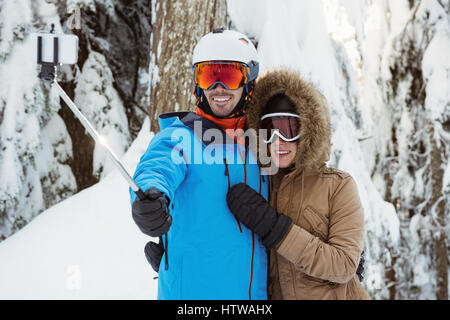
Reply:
x=34, y=143
x=406, y=85
x=46, y=155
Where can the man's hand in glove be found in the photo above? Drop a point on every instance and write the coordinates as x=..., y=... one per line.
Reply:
x=255, y=213
x=152, y=214
x=154, y=252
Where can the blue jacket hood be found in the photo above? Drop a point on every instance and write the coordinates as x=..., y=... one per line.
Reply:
x=167, y=119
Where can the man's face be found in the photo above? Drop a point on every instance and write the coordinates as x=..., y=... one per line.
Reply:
x=222, y=101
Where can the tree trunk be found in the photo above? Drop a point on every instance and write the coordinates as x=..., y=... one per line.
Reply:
x=177, y=26
x=437, y=209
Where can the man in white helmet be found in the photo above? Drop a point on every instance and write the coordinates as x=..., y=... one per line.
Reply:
x=206, y=252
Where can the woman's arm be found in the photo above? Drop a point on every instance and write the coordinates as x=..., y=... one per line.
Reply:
x=336, y=260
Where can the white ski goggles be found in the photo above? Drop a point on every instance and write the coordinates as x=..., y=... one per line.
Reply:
x=283, y=124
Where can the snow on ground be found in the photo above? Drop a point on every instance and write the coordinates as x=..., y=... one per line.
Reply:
x=86, y=247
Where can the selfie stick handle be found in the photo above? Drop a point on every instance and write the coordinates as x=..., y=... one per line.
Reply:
x=94, y=134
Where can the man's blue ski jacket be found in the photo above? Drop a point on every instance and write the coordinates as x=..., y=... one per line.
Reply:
x=210, y=255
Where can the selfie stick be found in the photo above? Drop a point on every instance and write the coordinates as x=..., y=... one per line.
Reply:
x=99, y=139
x=48, y=73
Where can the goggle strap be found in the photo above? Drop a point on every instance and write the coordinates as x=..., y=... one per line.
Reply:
x=254, y=70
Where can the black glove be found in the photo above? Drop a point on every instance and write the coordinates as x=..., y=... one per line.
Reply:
x=152, y=214
x=154, y=252
x=360, y=270
x=255, y=213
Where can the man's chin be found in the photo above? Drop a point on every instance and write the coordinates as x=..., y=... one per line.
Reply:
x=221, y=111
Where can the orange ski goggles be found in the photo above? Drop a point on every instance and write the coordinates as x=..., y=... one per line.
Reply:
x=231, y=75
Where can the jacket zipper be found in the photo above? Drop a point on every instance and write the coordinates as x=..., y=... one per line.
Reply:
x=166, y=251
x=267, y=251
x=244, y=160
x=240, y=229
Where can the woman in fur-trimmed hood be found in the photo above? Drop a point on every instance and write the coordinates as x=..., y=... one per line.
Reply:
x=314, y=224
x=315, y=144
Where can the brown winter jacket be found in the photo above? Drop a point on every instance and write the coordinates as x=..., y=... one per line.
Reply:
x=319, y=256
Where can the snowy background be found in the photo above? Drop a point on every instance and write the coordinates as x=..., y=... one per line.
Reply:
x=383, y=66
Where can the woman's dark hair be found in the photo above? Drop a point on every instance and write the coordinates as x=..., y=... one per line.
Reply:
x=279, y=103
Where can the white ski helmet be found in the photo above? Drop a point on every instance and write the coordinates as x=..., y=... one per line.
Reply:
x=227, y=45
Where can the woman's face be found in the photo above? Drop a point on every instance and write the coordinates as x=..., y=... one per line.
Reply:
x=283, y=153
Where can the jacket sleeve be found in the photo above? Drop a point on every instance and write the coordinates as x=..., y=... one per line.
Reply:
x=161, y=166
x=338, y=259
